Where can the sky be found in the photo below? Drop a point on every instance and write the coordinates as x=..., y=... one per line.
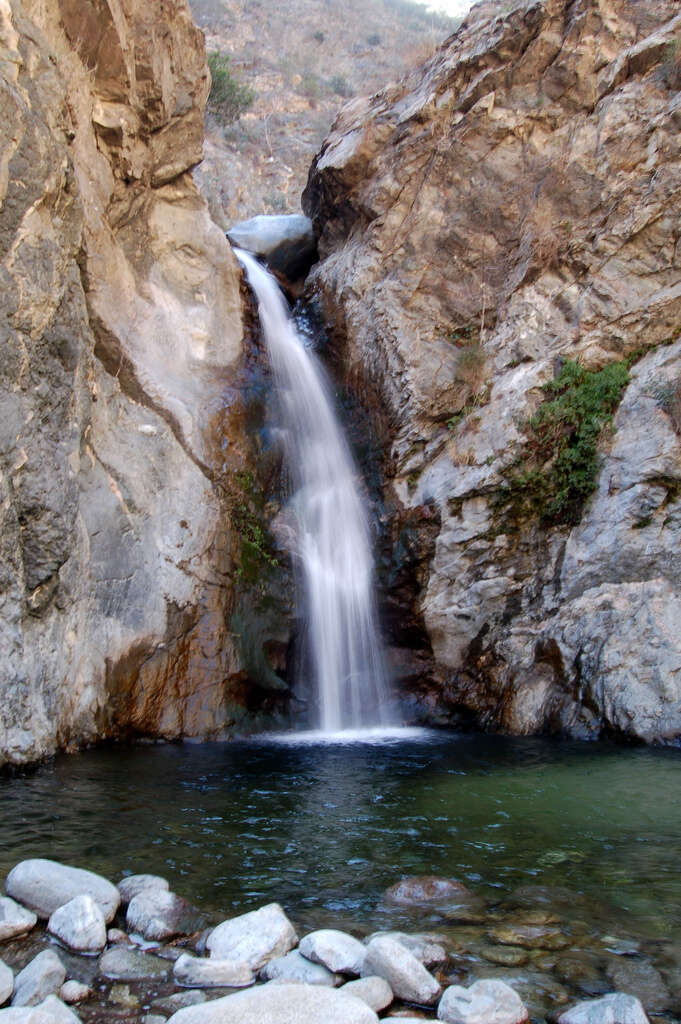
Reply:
x=455, y=8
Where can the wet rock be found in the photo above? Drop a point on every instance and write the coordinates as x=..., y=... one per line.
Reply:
x=157, y=914
x=430, y=891
x=641, y=979
x=296, y=967
x=429, y=949
x=42, y=977
x=124, y=964
x=489, y=1001
x=203, y=972
x=529, y=936
x=287, y=242
x=615, y=1008
x=255, y=937
x=153, y=1018
x=505, y=956
x=335, y=950
x=44, y=885
x=374, y=991
x=80, y=925
x=6, y=982
x=58, y=1012
x=406, y=975
x=14, y=919
x=285, y=1004
x=583, y=974
x=73, y=992
x=120, y=995
x=133, y=885
x=116, y=936
x=178, y=1000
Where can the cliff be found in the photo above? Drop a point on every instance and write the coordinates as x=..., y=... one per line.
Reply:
x=122, y=421
x=501, y=264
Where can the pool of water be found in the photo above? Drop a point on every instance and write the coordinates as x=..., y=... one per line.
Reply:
x=325, y=828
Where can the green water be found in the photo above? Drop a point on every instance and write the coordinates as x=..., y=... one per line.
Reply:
x=325, y=829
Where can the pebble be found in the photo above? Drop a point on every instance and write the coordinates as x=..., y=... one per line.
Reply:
x=45, y=885
x=335, y=950
x=505, y=956
x=253, y=938
x=73, y=992
x=122, y=996
x=406, y=975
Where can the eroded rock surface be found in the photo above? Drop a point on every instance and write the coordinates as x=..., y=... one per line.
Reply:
x=511, y=205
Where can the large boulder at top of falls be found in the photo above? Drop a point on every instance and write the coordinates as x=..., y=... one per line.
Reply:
x=286, y=242
x=121, y=418
x=45, y=885
x=510, y=205
x=285, y=1004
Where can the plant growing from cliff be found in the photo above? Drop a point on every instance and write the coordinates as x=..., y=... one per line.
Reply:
x=228, y=98
x=558, y=468
x=246, y=512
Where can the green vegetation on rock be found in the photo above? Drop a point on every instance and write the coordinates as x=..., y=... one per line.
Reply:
x=557, y=469
x=228, y=98
x=247, y=517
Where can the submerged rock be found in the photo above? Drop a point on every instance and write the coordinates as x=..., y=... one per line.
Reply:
x=158, y=914
x=641, y=979
x=336, y=950
x=253, y=938
x=42, y=977
x=45, y=885
x=296, y=967
x=486, y=1002
x=80, y=925
x=14, y=919
x=125, y=964
x=529, y=936
x=285, y=1004
x=615, y=1008
x=406, y=975
x=427, y=891
x=207, y=972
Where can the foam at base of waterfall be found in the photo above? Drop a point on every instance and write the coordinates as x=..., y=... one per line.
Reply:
x=378, y=735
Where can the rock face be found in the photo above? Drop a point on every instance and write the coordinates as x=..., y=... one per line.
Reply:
x=121, y=423
x=512, y=205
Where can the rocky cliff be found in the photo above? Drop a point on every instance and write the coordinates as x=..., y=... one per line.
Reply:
x=501, y=266
x=122, y=421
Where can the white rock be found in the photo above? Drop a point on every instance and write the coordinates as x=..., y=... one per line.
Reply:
x=426, y=948
x=80, y=925
x=6, y=982
x=375, y=991
x=489, y=1001
x=295, y=967
x=14, y=920
x=25, y=1015
x=201, y=972
x=157, y=914
x=133, y=885
x=283, y=1004
x=45, y=885
x=336, y=950
x=406, y=975
x=615, y=1008
x=255, y=937
x=74, y=992
x=58, y=1012
x=42, y=977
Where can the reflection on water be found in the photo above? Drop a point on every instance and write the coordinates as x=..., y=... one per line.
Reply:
x=324, y=829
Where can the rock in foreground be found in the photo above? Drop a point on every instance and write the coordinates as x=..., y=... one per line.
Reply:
x=45, y=885
x=80, y=925
x=14, y=920
x=406, y=975
x=336, y=950
x=42, y=977
x=486, y=1002
x=133, y=885
x=254, y=938
x=158, y=915
x=615, y=1008
x=296, y=967
x=280, y=1004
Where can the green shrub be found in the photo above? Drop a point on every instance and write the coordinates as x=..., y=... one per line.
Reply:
x=319, y=37
x=558, y=469
x=374, y=39
x=310, y=85
x=228, y=98
x=340, y=85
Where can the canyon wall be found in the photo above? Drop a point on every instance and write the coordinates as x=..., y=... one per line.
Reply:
x=499, y=216
x=122, y=420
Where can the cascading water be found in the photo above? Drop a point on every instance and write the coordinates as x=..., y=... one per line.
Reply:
x=332, y=550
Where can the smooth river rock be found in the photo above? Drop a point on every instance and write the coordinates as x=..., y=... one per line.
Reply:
x=158, y=914
x=427, y=890
x=426, y=948
x=336, y=950
x=615, y=1008
x=124, y=964
x=80, y=925
x=14, y=919
x=133, y=885
x=641, y=979
x=283, y=1004
x=45, y=885
x=207, y=972
x=406, y=975
x=74, y=992
x=296, y=967
x=58, y=1012
x=6, y=982
x=42, y=977
x=486, y=1002
x=255, y=937
x=375, y=991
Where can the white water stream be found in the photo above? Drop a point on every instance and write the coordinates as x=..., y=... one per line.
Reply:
x=331, y=551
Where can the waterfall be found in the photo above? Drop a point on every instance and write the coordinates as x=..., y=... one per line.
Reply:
x=331, y=550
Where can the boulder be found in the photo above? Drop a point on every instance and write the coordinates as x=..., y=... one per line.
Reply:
x=204, y=972
x=125, y=964
x=615, y=1008
x=42, y=977
x=296, y=967
x=74, y=992
x=406, y=975
x=6, y=982
x=427, y=890
x=14, y=920
x=426, y=948
x=158, y=914
x=45, y=885
x=286, y=242
x=255, y=937
x=133, y=885
x=285, y=1004
x=335, y=950
x=374, y=991
x=489, y=1001
x=80, y=925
